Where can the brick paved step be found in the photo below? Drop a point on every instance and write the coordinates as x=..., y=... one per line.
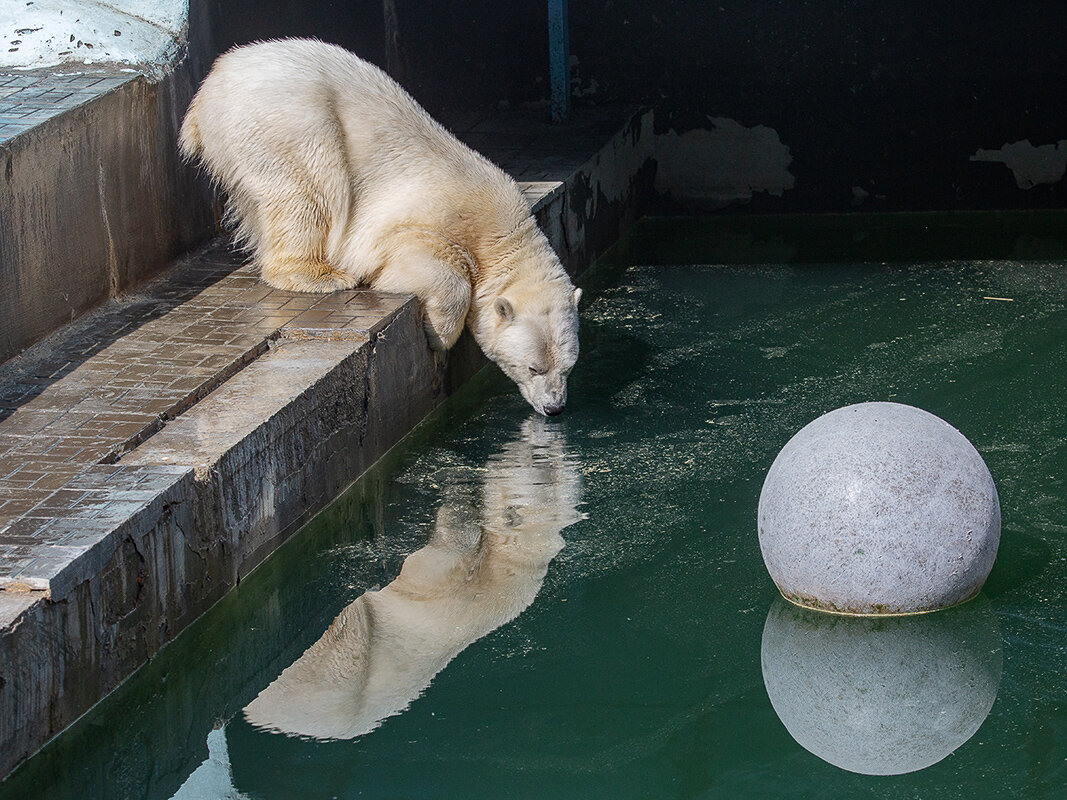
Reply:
x=53, y=443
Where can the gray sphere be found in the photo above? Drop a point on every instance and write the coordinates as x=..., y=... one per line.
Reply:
x=882, y=696
x=879, y=508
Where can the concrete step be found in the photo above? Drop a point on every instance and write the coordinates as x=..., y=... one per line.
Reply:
x=59, y=502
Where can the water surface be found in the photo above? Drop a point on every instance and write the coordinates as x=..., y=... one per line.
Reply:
x=577, y=607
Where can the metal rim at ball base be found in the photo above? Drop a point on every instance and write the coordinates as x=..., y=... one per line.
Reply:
x=879, y=509
x=878, y=610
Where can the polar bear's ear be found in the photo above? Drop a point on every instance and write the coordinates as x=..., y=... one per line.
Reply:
x=504, y=309
x=577, y=296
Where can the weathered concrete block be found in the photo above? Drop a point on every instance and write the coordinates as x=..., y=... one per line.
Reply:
x=110, y=611
x=879, y=508
x=285, y=435
x=94, y=200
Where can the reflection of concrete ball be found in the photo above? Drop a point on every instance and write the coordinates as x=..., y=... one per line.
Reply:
x=879, y=508
x=882, y=696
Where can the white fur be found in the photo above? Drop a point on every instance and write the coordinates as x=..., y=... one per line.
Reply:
x=475, y=574
x=337, y=177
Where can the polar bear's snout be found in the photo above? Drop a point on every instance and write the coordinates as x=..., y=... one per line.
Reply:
x=546, y=393
x=556, y=397
x=550, y=404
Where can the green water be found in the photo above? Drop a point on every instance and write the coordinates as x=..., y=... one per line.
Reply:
x=636, y=669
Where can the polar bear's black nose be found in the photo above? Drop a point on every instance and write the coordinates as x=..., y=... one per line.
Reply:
x=553, y=410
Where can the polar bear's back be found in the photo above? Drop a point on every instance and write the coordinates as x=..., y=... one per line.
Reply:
x=305, y=99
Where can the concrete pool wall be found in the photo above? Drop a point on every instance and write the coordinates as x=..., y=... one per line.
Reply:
x=217, y=419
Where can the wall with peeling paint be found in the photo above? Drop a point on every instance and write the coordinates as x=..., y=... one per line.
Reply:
x=776, y=105
x=728, y=164
x=764, y=105
x=882, y=106
x=1030, y=165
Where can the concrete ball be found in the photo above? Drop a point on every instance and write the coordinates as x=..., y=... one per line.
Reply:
x=879, y=508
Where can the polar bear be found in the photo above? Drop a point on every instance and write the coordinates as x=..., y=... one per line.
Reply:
x=478, y=572
x=336, y=177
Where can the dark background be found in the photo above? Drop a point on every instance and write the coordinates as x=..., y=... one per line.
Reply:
x=893, y=97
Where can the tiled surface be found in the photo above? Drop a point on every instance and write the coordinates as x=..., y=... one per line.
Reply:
x=77, y=519
x=31, y=97
x=78, y=401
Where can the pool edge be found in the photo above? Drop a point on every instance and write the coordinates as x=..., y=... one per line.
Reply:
x=60, y=656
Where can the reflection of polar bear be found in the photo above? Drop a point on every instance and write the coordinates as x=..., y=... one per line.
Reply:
x=337, y=177
x=383, y=649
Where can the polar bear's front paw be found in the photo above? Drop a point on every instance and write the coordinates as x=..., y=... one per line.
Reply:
x=434, y=339
x=442, y=328
x=331, y=281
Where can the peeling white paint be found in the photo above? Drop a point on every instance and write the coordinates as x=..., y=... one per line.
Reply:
x=727, y=164
x=1030, y=165
x=618, y=163
x=149, y=34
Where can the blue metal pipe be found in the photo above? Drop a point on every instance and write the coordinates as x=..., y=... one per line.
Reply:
x=559, y=59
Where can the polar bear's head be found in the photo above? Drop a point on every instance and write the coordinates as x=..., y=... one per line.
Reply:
x=532, y=334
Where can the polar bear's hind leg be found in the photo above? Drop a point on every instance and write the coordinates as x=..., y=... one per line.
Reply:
x=289, y=237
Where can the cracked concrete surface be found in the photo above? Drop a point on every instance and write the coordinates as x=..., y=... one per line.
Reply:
x=148, y=34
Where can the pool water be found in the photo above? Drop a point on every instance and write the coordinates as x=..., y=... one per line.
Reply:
x=507, y=606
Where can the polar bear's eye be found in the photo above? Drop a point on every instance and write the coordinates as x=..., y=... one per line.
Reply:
x=536, y=371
